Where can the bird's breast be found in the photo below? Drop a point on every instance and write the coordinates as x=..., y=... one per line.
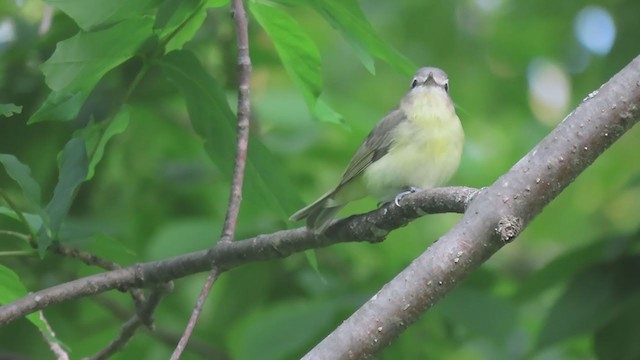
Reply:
x=425, y=152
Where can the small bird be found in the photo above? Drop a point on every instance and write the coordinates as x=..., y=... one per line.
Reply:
x=416, y=146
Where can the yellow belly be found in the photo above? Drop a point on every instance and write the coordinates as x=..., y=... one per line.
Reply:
x=425, y=154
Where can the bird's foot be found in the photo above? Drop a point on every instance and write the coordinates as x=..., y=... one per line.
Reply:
x=399, y=197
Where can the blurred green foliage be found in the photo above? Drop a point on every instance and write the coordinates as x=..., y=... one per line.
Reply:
x=141, y=94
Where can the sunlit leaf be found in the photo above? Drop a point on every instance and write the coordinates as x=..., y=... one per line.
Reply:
x=12, y=288
x=60, y=106
x=299, y=55
x=185, y=16
x=324, y=112
x=89, y=13
x=8, y=110
x=347, y=17
x=80, y=61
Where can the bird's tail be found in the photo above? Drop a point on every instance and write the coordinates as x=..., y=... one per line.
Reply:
x=319, y=214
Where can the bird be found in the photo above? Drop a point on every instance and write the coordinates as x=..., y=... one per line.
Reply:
x=416, y=146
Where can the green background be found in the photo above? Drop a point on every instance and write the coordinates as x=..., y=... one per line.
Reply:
x=158, y=128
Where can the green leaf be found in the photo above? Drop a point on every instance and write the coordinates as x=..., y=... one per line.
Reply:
x=592, y=298
x=559, y=270
x=266, y=180
x=96, y=137
x=89, y=13
x=194, y=234
x=100, y=245
x=365, y=57
x=8, y=110
x=619, y=338
x=486, y=315
x=208, y=108
x=73, y=171
x=34, y=220
x=348, y=18
x=324, y=112
x=11, y=289
x=22, y=175
x=343, y=11
x=214, y=121
x=185, y=15
x=298, y=324
x=60, y=106
x=79, y=62
x=299, y=56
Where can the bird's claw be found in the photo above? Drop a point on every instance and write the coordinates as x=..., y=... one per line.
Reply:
x=399, y=197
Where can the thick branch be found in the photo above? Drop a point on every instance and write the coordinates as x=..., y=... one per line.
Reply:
x=495, y=216
x=230, y=254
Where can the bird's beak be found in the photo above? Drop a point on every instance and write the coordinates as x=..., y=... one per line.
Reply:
x=430, y=80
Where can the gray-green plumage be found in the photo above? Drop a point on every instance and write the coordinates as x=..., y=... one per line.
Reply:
x=319, y=214
x=418, y=144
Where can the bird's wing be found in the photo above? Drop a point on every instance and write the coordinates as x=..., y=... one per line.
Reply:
x=375, y=146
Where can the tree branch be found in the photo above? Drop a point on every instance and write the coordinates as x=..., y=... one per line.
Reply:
x=495, y=217
x=260, y=248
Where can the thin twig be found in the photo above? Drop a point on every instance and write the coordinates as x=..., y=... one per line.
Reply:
x=20, y=215
x=47, y=19
x=244, y=112
x=19, y=253
x=55, y=347
x=86, y=257
x=16, y=234
x=168, y=338
x=197, y=310
x=129, y=328
x=235, y=197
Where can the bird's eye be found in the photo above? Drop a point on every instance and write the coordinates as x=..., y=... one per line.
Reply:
x=446, y=87
x=414, y=83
